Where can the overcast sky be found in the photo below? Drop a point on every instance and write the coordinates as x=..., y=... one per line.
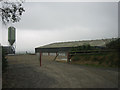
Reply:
x=48, y=22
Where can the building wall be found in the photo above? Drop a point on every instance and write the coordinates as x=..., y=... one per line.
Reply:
x=45, y=54
x=54, y=54
x=62, y=54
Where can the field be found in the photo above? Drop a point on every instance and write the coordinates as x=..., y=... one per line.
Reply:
x=24, y=71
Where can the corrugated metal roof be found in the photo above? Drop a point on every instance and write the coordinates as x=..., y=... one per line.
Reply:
x=98, y=42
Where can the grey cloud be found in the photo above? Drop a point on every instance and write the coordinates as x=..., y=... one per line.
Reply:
x=44, y=16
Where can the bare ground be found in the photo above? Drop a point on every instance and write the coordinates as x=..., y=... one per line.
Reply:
x=24, y=71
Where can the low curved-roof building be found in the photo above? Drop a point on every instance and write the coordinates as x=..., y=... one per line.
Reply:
x=66, y=46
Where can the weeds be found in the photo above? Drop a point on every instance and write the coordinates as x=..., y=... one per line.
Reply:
x=109, y=59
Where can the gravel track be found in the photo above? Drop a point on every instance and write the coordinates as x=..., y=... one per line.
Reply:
x=24, y=71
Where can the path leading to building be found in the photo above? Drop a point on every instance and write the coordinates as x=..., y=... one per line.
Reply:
x=25, y=72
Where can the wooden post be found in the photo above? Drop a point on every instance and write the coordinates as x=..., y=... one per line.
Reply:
x=40, y=58
x=68, y=57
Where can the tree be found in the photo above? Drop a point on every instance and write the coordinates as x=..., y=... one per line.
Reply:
x=11, y=11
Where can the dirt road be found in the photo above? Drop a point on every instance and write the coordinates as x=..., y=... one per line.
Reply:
x=25, y=72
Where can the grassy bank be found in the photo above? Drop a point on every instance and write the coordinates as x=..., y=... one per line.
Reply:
x=109, y=59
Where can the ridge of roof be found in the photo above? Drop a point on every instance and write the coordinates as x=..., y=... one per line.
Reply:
x=78, y=43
